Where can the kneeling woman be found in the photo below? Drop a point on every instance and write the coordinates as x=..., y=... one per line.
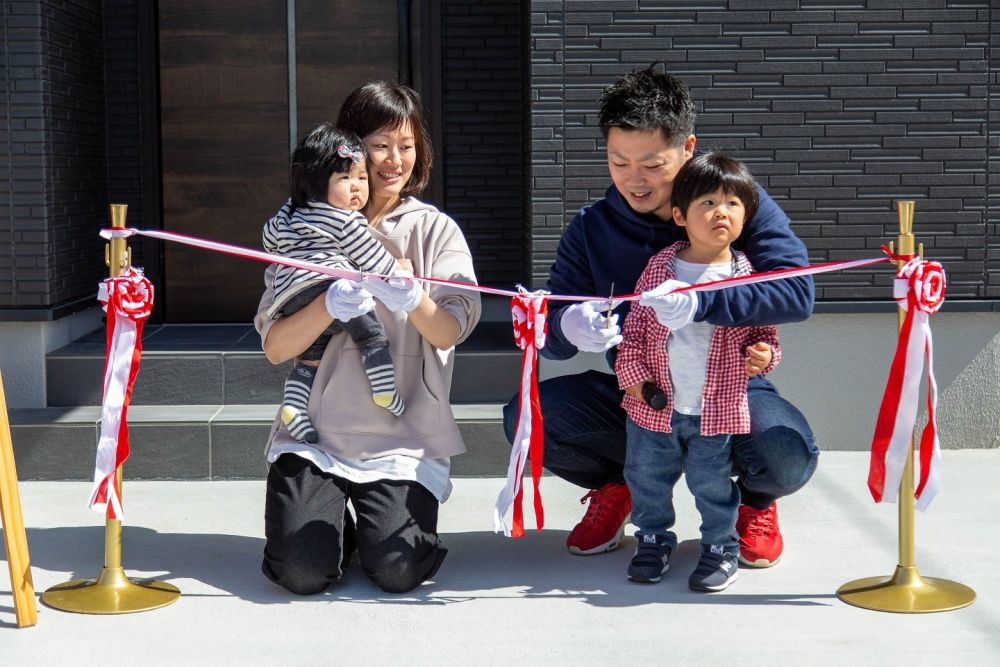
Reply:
x=392, y=470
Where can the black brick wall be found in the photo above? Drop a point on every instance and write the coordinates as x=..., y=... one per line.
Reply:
x=993, y=193
x=71, y=106
x=55, y=185
x=76, y=169
x=24, y=274
x=838, y=106
x=483, y=81
x=123, y=113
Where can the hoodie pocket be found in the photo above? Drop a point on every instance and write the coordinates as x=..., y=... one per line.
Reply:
x=346, y=406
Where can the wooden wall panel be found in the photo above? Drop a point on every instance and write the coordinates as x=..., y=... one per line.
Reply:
x=224, y=134
x=341, y=45
x=224, y=114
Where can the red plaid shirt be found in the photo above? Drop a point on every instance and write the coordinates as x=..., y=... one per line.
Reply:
x=642, y=356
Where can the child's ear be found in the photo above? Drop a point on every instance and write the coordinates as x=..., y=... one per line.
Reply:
x=678, y=216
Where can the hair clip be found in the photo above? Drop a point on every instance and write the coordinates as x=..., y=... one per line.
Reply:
x=344, y=151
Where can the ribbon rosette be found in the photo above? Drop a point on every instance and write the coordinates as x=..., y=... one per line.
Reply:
x=128, y=301
x=528, y=310
x=919, y=289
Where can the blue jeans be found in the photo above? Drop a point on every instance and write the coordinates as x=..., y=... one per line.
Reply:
x=653, y=464
x=584, y=427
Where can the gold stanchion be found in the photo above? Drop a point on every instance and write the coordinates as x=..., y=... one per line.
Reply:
x=112, y=592
x=906, y=591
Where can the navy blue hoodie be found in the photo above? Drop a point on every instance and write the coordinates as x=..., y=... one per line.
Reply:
x=607, y=242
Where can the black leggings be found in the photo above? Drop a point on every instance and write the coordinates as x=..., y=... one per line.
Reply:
x=310, y=534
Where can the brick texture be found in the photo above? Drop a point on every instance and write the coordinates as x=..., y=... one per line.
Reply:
x=993, y=137
x=838, y=107
x=72, y=121
x=123, y=128
x=481, y=55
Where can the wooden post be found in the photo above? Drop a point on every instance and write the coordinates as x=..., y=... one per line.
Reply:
x=13, y=527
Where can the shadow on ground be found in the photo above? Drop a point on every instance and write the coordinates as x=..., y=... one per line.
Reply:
x=480, y=566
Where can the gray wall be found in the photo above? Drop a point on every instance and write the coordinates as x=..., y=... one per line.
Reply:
x=834, y=369
x=837, y=110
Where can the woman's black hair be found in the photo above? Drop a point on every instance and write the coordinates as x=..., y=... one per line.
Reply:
x=317, y=158
x=707, y=172
x=382, y=105
x=647, y=100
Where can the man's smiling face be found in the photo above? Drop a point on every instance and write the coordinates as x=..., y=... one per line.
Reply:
x=643, y=167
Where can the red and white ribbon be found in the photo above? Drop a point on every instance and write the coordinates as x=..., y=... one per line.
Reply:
x=128, y=302
x=247, y=253
x=528, y=310
x=924, y=289
x=919, y=288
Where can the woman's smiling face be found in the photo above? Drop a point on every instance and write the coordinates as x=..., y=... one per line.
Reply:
x=391, y=154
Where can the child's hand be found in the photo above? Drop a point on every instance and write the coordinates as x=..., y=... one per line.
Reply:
x=758, y=357
x=635, y=391
x=405, y=264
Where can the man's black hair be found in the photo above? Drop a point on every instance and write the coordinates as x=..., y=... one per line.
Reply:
x=316, y=159
x=647, y=100
x=707, y=172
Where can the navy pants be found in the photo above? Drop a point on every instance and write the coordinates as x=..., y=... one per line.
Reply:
x=585, y=437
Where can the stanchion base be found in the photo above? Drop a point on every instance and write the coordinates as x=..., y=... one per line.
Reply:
x=111, y=593
x=906, y=592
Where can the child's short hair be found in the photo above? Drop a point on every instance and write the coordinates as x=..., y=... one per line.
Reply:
x=325, y=151
x=707, y=172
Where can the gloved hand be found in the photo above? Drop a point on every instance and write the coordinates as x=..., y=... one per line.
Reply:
x=400, y=292
x=672, y=310
x=589, y=330
x=345, y=300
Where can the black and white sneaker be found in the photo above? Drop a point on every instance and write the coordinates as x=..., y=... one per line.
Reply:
x=651, y=559
x=717, y=568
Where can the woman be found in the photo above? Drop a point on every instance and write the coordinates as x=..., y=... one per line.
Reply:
x=393, y=470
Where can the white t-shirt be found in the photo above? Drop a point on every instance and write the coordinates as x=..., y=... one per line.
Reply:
x=432, y=474
x=688, y=348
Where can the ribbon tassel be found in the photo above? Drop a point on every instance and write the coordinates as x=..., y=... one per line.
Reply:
x=919, y=288
x=528, y=311
x=128, y=301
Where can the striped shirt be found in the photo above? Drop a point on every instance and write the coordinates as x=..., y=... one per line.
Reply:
x=643, y=355
x=325, y=235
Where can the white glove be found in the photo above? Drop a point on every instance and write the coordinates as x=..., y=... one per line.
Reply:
x=345, y=300
x=400, y=292
x=589, y=330
x=672, y=310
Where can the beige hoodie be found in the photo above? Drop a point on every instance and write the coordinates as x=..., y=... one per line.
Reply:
x=349, y=424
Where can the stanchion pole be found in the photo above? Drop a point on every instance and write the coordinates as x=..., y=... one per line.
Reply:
x=906, y=591
x=112, y=592
x=18, y=561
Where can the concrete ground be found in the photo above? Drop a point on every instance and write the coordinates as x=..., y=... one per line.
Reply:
x=497, y=601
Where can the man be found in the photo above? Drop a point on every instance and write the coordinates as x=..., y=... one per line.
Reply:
x=647, y=119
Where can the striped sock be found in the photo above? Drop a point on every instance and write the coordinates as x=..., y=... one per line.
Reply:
x=294, y=405
x=381, y=375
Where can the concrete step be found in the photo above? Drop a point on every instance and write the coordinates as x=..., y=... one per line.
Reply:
x=204, y=442
x=211, y=365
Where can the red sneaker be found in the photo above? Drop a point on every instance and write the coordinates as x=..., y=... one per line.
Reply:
x=603, y=526
x=760, y=536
